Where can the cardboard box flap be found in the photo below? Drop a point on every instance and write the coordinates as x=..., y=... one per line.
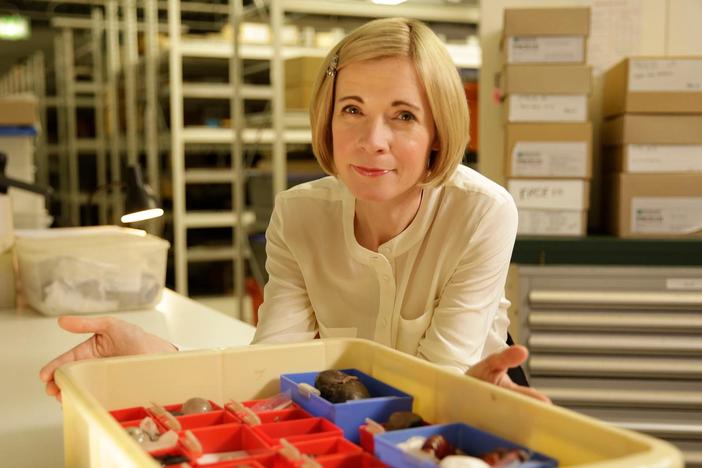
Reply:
x=546, y=22
x=546, y=79
x=302, y=70
x=652, y=129
x=19, y=110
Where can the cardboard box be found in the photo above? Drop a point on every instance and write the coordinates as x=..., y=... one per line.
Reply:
x=546, y=108
x=546, y=22
x=548, y=150
x=544, y=49
x=552, y=222
x=656, y=205
x=7, y=279
x=300, y=73
x=653, y=129
x=653, y=85
x=638, y=159
x=298, y=98
x=546, y=79
x=550, y=194
x=301, y=70
x=18, y=110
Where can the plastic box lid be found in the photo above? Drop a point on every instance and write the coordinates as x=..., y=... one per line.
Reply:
x=93, y=437
x=81, y=238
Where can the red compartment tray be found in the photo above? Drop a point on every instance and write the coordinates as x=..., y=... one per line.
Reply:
x=298, y=430
x=327, y=447
x=211, y=419
x=229, y=438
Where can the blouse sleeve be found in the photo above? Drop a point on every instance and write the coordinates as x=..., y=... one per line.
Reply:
x=472, y=310
x=286, y=314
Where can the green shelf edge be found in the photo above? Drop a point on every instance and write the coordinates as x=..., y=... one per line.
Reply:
x=607, y=250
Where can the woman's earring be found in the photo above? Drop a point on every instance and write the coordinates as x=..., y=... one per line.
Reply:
x=331, y=69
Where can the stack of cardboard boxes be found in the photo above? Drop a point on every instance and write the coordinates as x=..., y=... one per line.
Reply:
x=652, y=139
x=548, y=136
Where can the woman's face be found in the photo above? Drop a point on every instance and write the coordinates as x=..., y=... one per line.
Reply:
x=382, y=129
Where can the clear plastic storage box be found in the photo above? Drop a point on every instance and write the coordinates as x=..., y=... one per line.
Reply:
x=88, y=270
x=90, y=389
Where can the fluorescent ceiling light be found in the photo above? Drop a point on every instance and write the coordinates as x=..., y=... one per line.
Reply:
x=14, y=28
x=388, y=2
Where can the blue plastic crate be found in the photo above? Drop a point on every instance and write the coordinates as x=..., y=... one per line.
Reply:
x=470, y=440
x=350, y=415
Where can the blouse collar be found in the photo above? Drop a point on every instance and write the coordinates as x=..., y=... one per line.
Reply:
x=399, y=244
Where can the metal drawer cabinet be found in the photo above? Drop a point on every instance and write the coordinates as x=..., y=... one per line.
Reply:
x=623, y=344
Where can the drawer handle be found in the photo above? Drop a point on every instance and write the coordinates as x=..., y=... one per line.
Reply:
x=615, y=298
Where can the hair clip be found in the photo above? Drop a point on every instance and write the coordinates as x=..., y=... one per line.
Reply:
x=331, y=69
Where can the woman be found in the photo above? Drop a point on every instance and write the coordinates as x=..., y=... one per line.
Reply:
x=401, y=244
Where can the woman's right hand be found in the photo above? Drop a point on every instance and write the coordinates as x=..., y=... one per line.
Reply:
x=111, y=337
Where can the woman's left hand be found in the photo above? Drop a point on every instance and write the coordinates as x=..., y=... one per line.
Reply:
x=493, y=369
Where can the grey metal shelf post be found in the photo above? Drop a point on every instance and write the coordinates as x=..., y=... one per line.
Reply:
x=151, y=78
x=113, y=67
x=177, y=147
x=97, y=32
x=238, y=181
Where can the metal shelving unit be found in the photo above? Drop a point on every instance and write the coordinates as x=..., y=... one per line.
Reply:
x=72, y=45
x=183, y=138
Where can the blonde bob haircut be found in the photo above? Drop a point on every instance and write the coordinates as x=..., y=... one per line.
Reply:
x=392, y=37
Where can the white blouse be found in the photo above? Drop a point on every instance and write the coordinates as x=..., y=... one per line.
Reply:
x=436, y=290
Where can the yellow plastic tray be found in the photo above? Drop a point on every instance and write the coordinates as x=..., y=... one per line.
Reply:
x=91, y=388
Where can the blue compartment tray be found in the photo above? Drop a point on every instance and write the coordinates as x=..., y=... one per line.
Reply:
x=350, y=415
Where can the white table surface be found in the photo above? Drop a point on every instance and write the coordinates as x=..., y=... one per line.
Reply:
x=30, y=422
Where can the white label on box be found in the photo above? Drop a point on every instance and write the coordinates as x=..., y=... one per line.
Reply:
x=665, y=75
x=666, y=215
x=683, y=283
x=550, y=158
x=664, y=158
x=545, y=49
x=550, y=222
x=548, y=194
x=547, y=108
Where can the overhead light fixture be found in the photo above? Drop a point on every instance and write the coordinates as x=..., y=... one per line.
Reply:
x=14, y=28
x=388, y=2
x=140, y=203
